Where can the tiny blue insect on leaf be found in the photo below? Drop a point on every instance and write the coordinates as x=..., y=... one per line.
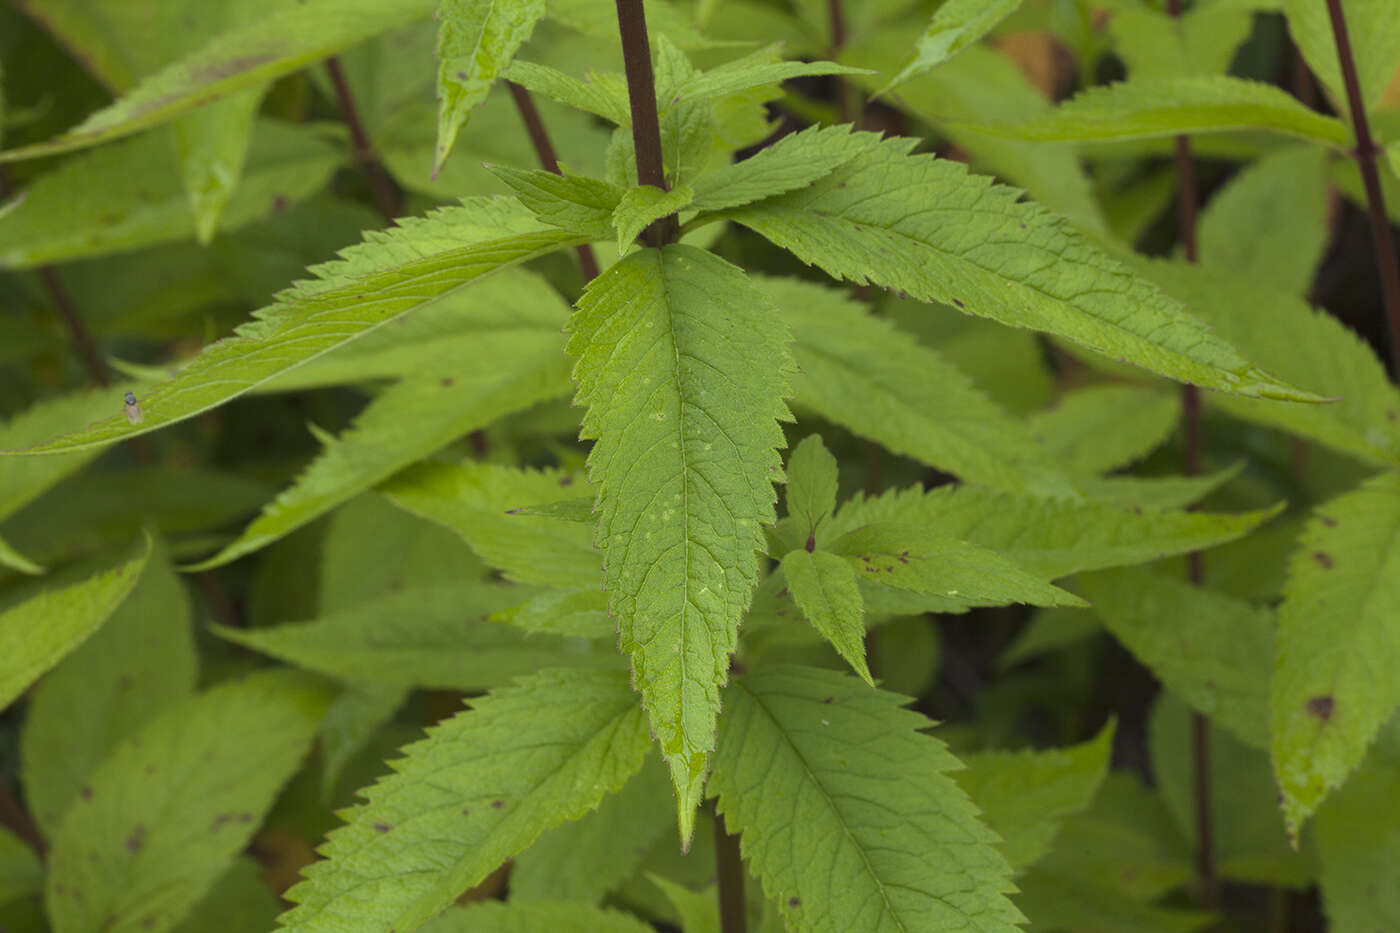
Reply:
x=133, y=410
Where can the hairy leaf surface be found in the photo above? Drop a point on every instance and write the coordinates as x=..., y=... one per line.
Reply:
x=390, y=273
x=682, y=364
x=478, y=790
x=847, y=812
x=168, y=811
x=1337, y=644
x=924, y=226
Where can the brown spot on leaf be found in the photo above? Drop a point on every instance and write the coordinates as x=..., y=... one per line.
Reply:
x=381, y=827
x=566, y=481
x=497, y=804
x=1327, y=520
x=794, y=902
x=85, y=792
x=959, y=303
x=1324, y=560
x=447, y=382
x=135, y=839
x=1322, y=707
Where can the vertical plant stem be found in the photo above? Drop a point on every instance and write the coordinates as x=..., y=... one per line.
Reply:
x=78, y=336
x=1366, y=152
x=381, y=188
x=1186, y=194
x=544, y=150
x=729, y=871
x=641, y=98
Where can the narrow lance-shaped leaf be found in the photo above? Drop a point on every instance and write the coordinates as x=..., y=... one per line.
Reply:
x=791, y=162
x=846, y=810
x=476, y=41
x=390, y=273
x=955, y=25
x=478, y=790
x=824, y=587
x=1337, y=644
x=682, y=364
x=924, y=226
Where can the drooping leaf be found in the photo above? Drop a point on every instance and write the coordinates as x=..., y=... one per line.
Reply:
x=974, y=246
x=141, y=662
x=57, y=615
x=1025, y=796
x=791, y=162
x=1358, y=842
x=682, y=364
x=496, y=917
x=172, y=807
x=616, y=837
x=1212, y=650
x=871, y=378
x=1374, y=36
x=476, y=41
x=390, y=273
x=243, y=57
x=824, y=587
x=476, y=500
x=1284, y=193
x=1050, y=538
x=524, y=759
x=1102, y=428
x=847, y=813
x=432, y=636
x=642, y=205
x=1336, y=644
x=1149, y=108
x=955, y=24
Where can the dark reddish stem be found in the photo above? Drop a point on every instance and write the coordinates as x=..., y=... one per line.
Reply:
x=544, y=150
x=382, y=189
x=646, y=126
x=729, y=871
x=1366, y=152
x=77, y=334
x=836, y=16
x=13, y=815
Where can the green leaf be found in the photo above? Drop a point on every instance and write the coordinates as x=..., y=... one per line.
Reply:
x=9, y=557
x=1048, y=538
x=1156, y=107
x=698, y=910
x=1105, y=427
x=1156, y=492
x=475, y=501
x=1310, y=348
x=1025, y=796
x=1358, y=843
x=810, y=494
x=578, y=510
x=1200, y=41
x=914, y=557
x=1059, y=902
x=575, y=203
x=440, y=403
x=430, y=636
x=955, y=25
x=390, y=273
x=140, y=663
x=598, y=19
x=244, y=57
x=350, y=722
x=495, y=917
x=906, y=653
x=129, y=196
x=174, y=805
x=1336, y=644
x=476, y=41
x=826, y=779
x=616, y=837
x=1210, y=649
x=824, y=588
x=871, y=378
x=478, y=790
x=240, y=899
x=21, y=872
x=45, y=624
x=683, y=365
x=642, y=205
x=1285, y=194
x=961, y=245
x=1374, y=35
x=793, y=161
x=577, y=613
x=212, y=146
x=602, y=94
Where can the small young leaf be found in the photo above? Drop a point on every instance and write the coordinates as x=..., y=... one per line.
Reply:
x=524, y=759
x=1152, y=108
x=810, y=494
x=173, y=806
x=973, y=245
x=38, y=631
x=955, y=24
x=1336, y=645
x=824, y=588
x=476, y=41
x=793, y=161
x=1025, y=796
x=846, y=810
x=916, y=558
x=642, y=205
x=1212, y=650
x=683, y=365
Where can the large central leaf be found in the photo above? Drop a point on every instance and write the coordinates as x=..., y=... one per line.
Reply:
x=682, y=363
